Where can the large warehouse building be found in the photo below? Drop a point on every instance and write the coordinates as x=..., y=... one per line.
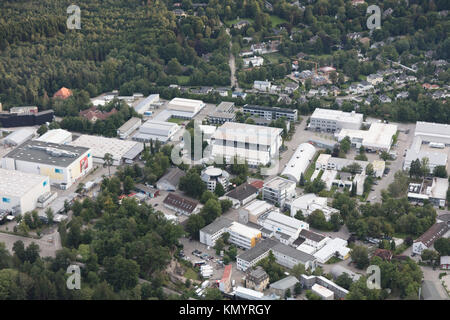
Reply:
x=256, y=144
x=299, y=162
x=333, y=120
x=119, y=149
x=433, y=132
x=379, y=137
x=19, y=136
x=19, y=191
x=63, y=164
x=129, y=127
x=156, y=130
x=185, y=108
x=58, y=136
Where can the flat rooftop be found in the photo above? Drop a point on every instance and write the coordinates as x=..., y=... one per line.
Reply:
x=129, y=124
x=278, y=183
x=337, y=115
x=101, y=145
x=59, y=155
x=241, y=132
x=16, y=183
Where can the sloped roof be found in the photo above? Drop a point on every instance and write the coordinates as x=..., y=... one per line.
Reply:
x=63, y=93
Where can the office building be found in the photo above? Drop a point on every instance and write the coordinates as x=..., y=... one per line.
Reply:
x=333, y=120
x=63, y=164
x=278, y=191
x=271, y=113
x=20, y=191
x=255, y=144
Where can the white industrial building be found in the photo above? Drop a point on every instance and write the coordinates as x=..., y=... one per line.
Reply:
x=119, y=149
x=146, y=104
x=129, y=127
x=211, y=176
x=185, y=108
x=322, y=292
x=334, y=246
x=308, y=203
x=156, y=130
x=379, y=137
x=419, y=150
x=333, y=120
x=279, y=191
x=256, y=144
x=20, y=191
x=240, y=235
x=434, y=191
x=252, y=211
x=285, y=255
x=253, y=61
x=63, y=164
x=327, y=162
x=433, y=132
x=299, y=162
x=282, y=227
x=19, y=136
x=59, y=136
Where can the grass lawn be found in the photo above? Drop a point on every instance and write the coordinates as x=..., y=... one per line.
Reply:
x=276, y=20
x=275, y=57
x=176, y=120
x=182, y=80
x=311, y=167
x=191, y=274
x=333, y=260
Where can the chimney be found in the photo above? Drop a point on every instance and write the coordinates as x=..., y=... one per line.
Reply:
x=1, y=108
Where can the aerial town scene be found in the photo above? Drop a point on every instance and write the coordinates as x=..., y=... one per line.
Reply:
x=226, y=150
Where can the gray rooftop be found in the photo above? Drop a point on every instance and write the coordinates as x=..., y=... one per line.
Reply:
x=259, y=249
x=285, y=283
x=173, y=176
x=293, y=253
x=60, y=155
x=311, y=235
x=217, y=225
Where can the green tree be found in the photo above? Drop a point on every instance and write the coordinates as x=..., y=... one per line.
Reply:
x=360, y=257
x=108, y=161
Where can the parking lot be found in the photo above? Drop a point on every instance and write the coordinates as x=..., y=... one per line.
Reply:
x=190, y=246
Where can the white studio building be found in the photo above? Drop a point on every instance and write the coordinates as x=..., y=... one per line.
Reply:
x=240, y=235
x=282, y=227
x=299, y=162
x=419, y=150
x=256, y=144
x=433, y=132
x=211, y=176
x=334, y=120
x=279, y=191
x=19, y=136
x=20, y=191
x=63, y=164
x=120, y=150
x=333, y=247
x=254, y=61
x=379, y=137
x=59, y=136
x=308, y=203
x=144, y=105
x=156, y=130
x=129, y=127
x=185, y=108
